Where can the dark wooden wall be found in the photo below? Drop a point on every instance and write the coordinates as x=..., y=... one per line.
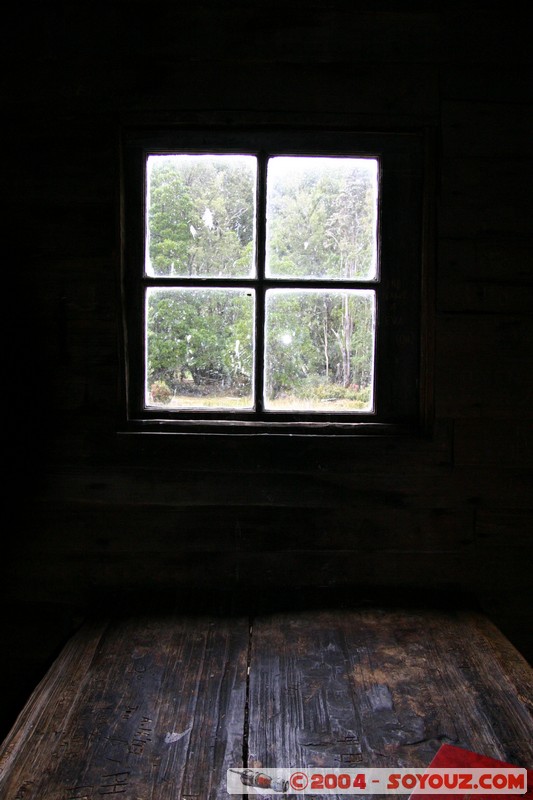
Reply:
x=92, y=514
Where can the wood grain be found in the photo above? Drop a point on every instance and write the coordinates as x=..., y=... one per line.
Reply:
x=161, y=706
x=383, y=687
x=151, y=707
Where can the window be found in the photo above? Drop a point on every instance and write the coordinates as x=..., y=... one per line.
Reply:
x=272, y=280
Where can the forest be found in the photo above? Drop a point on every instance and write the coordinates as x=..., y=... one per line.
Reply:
x=307, y=297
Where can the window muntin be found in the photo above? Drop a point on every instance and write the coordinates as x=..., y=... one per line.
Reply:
x=400, y=393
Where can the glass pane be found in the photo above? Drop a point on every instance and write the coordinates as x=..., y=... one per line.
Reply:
x=322, y=217
x=199, y=348
x=319, y=350
x=200, y=215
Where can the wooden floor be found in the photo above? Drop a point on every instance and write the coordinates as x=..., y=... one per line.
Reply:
x=159, y=707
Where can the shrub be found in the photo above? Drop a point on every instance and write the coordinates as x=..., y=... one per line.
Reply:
x=364, y=394
x=333, y=391
x=160, y=392
x=321, y=390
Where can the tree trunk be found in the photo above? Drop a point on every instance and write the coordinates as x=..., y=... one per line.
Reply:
x=347, y=330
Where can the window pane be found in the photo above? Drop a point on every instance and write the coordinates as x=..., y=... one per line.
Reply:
x=200, y=215
x=322, y=218
x=319, y=350
x=200, y=349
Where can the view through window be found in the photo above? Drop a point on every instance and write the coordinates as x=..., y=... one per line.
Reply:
x=261, y=282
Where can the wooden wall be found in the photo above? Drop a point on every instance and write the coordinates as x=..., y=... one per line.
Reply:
x=94, y=514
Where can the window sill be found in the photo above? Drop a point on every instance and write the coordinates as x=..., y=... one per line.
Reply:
x=269, y=428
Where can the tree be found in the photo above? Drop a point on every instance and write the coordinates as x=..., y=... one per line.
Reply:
x=321, y=223
x=201, y=223
x=201, y=215
x=171, y=214
x=201, y=335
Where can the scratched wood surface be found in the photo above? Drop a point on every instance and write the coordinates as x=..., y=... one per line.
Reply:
x=161, y=707
x=145, y=708
x=385, y=688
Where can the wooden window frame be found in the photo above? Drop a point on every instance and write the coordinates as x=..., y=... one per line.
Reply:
x=402, y=357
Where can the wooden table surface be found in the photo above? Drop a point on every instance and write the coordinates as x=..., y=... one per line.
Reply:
x=159, y=707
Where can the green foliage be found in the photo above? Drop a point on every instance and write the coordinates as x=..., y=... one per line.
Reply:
x=323, y=334
x=322, y=220
x=171, y=212
x=321, y=223
x=201, y=337
x=333, y=391
x=201, y=215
